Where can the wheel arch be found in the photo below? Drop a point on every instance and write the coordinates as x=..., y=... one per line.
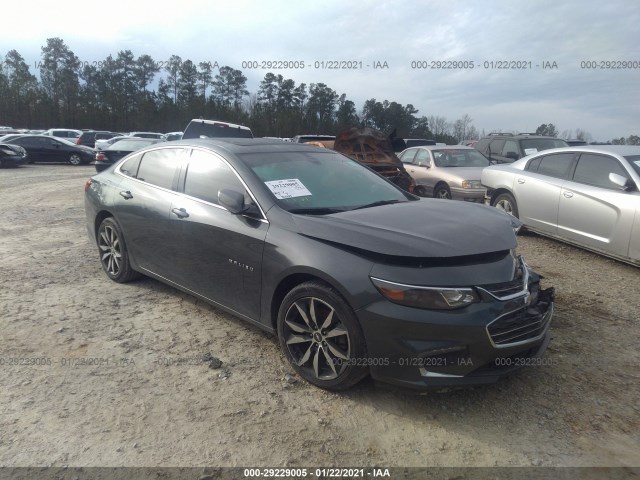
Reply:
x=499, y=191
x=291, y=281
x=100, y=216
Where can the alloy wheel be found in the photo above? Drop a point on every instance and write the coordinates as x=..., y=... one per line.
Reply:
x=316, y=338
x=110, y=250
x=505, y=205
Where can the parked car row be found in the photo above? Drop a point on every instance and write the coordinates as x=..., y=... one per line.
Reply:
x=73, y=146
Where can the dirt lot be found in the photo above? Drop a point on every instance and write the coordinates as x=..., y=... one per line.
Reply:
x=94, y=373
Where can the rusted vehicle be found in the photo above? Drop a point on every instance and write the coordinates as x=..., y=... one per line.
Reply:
x=374, y=149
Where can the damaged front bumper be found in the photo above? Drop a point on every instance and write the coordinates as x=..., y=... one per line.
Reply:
x=479, y=344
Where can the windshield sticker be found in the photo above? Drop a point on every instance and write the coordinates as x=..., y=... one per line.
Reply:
x=529, y=151
x=637, y=162
x=289, y=188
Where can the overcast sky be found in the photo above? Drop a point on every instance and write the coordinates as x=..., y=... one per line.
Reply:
x=604, y=102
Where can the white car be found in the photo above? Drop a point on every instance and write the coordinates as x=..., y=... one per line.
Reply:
x=67, y=133
x=586, y=196
x=104, y=143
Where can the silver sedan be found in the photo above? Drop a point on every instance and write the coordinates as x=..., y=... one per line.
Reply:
x=586, y=196
x=445, y=171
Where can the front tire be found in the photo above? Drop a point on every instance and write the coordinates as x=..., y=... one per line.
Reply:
x=506, y=202
x=113, y=252
x=321, y=338
x=75, y=159
x=442, y=191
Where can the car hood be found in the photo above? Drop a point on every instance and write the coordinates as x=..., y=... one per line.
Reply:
x=428, y=228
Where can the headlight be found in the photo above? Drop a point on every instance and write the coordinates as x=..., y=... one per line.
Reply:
x=471, y=184
x=432, y=298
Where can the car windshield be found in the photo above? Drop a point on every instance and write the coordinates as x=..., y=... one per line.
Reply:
x=320, y=182
x=533, y=145
x=634, y=161
x=459, y=158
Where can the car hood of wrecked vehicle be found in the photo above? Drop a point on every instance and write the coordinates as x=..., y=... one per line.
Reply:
x=425, y=228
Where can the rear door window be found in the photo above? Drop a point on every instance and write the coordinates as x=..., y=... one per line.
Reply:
x=422, y=158
x=557, y=165
x=407, y=156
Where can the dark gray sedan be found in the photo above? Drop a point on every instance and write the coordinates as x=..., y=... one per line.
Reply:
x=354, y=275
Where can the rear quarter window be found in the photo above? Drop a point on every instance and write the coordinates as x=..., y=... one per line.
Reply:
x=159, y=167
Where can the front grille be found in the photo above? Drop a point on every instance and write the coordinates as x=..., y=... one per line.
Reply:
x=522, y=325
x=511, y=288
x=505, y=289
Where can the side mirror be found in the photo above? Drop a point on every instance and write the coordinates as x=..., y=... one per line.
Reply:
x=232, y=201
x=624, y=183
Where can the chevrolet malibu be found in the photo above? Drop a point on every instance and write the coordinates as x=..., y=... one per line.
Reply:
x=586, y=196
x=352, y=274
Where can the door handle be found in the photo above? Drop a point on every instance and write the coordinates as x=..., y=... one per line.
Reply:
x=412, y=170
x=126, y=195
x=521, y=180
x=180, y=212
x=567, y=194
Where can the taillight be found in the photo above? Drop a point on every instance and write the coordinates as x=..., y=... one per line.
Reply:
x=87, y=185
x=78, y=142
x=101, y=157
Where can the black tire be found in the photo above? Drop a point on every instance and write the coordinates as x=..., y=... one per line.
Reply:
x=420, y=191
x=442, y=191
x=321, y=337
x=506, y=202
x=113, y=252
x=75, y=159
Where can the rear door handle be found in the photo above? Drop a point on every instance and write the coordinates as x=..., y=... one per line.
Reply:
x=126, y=195
x=521, y=180
x=180, y=212
x=567, y=194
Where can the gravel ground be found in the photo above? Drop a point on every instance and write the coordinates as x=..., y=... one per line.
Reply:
x=95, y=373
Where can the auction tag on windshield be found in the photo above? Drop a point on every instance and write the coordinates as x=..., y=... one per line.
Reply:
x=289, y=188
x=529, y=151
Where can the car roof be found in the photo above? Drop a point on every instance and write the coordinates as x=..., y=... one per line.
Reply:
x=619, y=149
x=247, y=145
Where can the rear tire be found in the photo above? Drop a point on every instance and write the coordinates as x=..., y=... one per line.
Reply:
x=112, y=249
x=506, y=202
x=321, y=337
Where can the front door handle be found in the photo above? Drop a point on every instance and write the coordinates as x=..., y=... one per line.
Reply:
x=521, y=180
x=567, y=194
x=126, y=195
x=180, y=212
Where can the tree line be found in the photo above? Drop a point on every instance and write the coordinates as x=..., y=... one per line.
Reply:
x=125, y=93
